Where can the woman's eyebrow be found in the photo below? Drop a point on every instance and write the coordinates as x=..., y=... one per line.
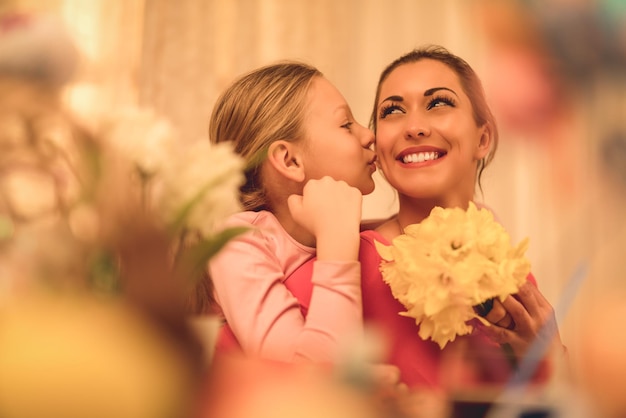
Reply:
x=432, y=91
x=427, y=93
x=393, y=99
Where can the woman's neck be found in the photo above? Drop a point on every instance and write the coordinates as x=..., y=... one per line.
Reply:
x=414, y=210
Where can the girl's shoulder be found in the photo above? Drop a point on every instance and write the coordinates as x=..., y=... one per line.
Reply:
x=261, y=219
x=267, y=231
x=263, y=228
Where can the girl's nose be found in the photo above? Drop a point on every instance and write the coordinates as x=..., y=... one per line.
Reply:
x=367, y=138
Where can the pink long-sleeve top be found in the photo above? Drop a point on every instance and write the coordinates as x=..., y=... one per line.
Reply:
x=266, y=319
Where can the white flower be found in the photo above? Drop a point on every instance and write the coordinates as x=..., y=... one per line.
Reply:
x=200, y=186
x=141, y=136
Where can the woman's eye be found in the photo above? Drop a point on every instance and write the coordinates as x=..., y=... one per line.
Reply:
x=389, y=110
x=440, y=102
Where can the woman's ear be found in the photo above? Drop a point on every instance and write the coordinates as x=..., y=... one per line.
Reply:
x=484, y=143
x=285, y=157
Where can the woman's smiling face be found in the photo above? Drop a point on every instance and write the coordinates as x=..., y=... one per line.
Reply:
x=427, y=141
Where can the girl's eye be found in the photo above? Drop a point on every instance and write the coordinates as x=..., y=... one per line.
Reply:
x=440, y=101
x=388, y=110
x=347, y=125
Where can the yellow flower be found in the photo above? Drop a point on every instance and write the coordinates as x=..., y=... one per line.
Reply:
x=442, y=267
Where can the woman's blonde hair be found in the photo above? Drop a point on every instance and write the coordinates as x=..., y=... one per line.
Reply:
x=261, y=107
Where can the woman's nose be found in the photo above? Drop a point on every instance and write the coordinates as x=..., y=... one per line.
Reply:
x=416, y=127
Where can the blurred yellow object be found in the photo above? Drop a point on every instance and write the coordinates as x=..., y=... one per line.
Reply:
x=78, y=356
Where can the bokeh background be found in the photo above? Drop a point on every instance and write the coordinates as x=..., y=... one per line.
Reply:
x=554, y=72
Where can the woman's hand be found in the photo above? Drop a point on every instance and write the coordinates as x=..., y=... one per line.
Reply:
x=494, y=312
x=532, y=318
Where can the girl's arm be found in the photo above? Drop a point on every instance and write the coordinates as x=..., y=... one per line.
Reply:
x=249, y=276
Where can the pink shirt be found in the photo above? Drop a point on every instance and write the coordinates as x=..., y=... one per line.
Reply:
x=267, y=320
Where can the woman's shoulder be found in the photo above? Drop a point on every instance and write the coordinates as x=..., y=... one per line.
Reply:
x=367, y=248
x=379, y=234
x=371, y=235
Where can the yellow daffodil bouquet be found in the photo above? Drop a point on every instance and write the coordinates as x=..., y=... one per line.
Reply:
x=452, y=261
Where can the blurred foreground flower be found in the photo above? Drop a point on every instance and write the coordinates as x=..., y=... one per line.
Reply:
x=141, y=136
x=195, y=184
x=186, y=188
x=92, y=312
x=199, y=187
x=452, y=261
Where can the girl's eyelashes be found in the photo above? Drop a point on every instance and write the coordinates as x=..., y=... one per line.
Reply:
x=347, y=125
x=440, y=101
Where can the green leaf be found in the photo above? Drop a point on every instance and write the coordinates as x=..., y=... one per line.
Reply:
x=104, y=273
x=194, y=259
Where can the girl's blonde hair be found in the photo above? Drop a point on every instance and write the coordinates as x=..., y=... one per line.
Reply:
x=261, y=107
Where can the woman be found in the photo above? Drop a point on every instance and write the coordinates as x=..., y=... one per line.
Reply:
x=435, y=134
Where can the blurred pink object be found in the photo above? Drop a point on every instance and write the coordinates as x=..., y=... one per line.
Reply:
x=36, y=47
x=523, y=89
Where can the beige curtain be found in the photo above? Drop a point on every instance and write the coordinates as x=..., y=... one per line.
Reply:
x=193, y=49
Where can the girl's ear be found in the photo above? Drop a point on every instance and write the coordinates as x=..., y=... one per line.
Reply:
x=285, y=157
x=484, y=144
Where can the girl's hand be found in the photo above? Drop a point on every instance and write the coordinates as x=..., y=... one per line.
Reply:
x=533, y=318
x=331, y=211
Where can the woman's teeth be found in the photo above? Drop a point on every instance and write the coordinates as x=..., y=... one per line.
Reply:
x=420, y=157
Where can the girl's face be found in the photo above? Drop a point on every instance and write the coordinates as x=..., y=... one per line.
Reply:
x=336, y=145
x=427, y=141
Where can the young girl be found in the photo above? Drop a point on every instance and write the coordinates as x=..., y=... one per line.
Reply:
x=310, y=162
x=435, y=135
